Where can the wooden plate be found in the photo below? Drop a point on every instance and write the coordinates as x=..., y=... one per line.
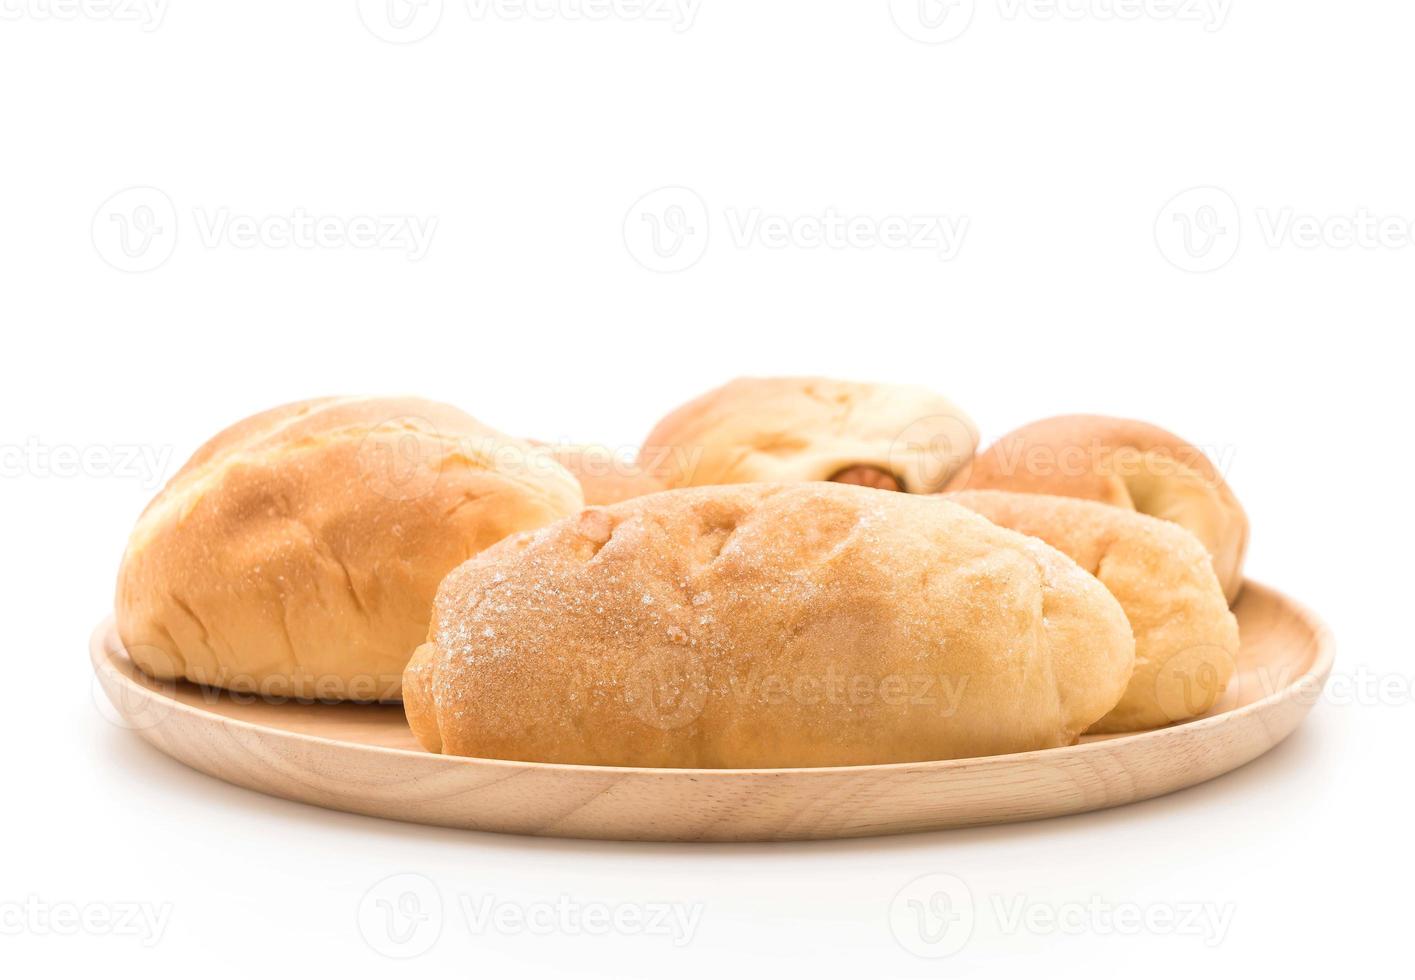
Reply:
x=362, y=758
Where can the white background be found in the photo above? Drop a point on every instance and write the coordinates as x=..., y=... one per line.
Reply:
x=1057, y=141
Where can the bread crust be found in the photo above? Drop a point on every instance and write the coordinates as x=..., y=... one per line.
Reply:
x=1126, y=463
x=1186, y=639
x=766, y=626
x=297, y=552
x=805, y=429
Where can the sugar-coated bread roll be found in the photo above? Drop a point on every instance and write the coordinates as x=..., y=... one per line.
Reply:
x=766, y=626
x=297, y=553
x=1126, y=463
x=892, y=437
x=1186, y=640
x=604, y=475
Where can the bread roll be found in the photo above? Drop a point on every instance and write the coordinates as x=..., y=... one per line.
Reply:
x=1186, y=640
x=297, y=553
x=1123, y=462
x=766, y=626
x=892, y=437
x=605, y=476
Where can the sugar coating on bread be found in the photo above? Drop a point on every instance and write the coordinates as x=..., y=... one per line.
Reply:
x=799, y=429
x=766, y=626
x=297, y=552
x=1186, y=639
x=1126, y=463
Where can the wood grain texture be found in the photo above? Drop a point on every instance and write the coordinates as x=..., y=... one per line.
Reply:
x=363, y=759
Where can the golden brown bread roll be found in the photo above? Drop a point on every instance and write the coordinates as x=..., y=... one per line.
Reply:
x=766, y=626
x=605, y=477
x=1126, y=463
x=1186, y=640
x=297, y=553
x=892, y=437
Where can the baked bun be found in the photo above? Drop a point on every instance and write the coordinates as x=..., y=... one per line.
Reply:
x=766, y=626
x=1126, y=463
x=891, y=437
x=605, y=476
x=1186, y=640
x=297, y=553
